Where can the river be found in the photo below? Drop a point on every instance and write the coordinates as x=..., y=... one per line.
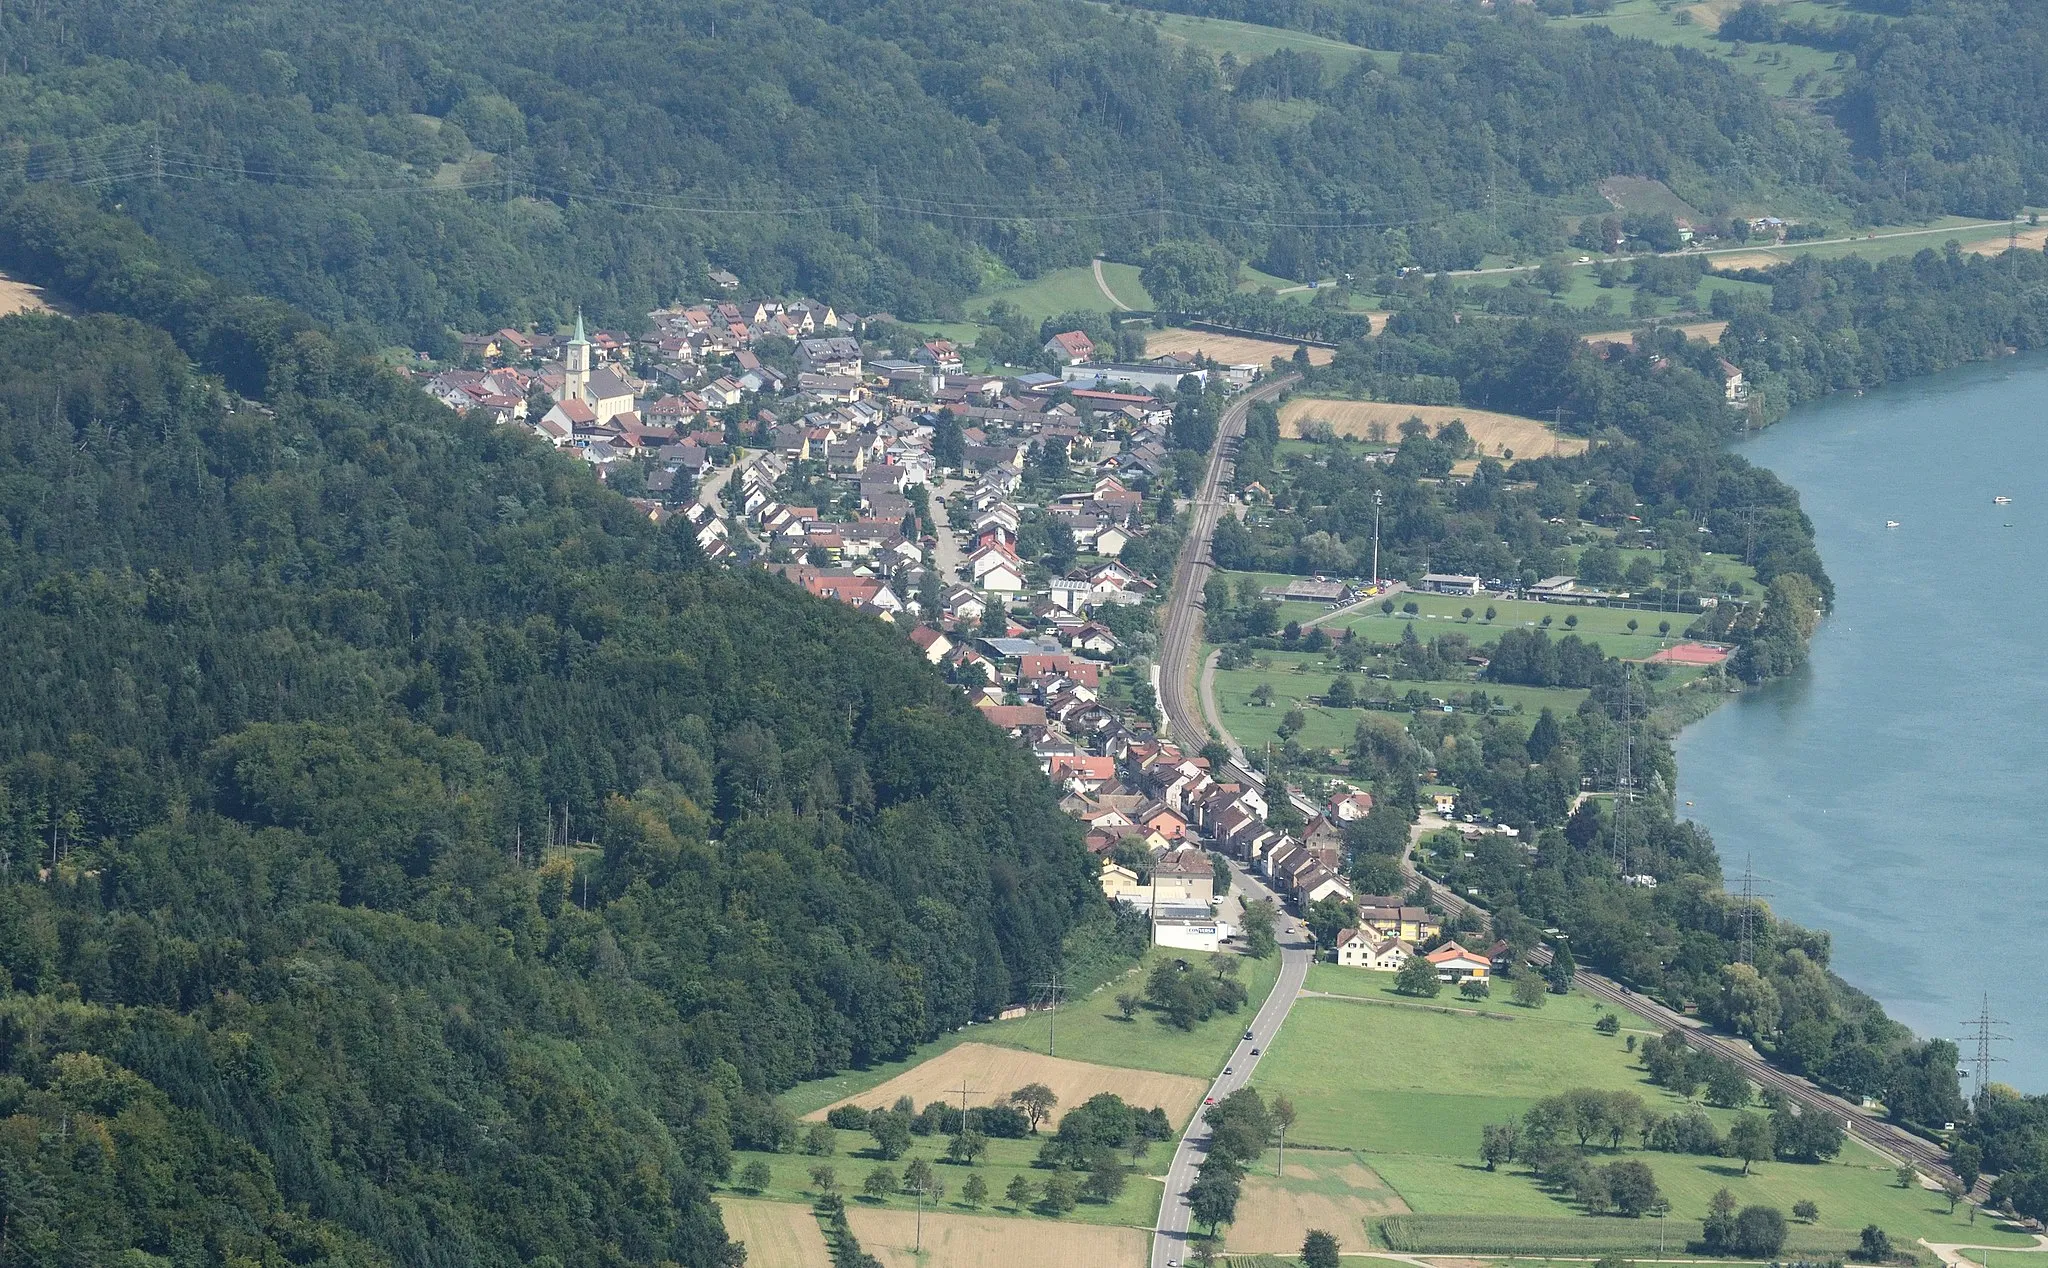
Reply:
x=1892, y=793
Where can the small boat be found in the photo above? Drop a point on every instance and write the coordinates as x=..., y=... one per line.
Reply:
x=2001, y=500
x=1891, y=523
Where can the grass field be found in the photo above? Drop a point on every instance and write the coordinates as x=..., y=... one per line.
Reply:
x=995, y=1072
x=1004, y=1161
x=980, y=1241
x=1247, y=41
x=1330, y=1190
x=1059, y=291
x=1409, y=1089
x=1704, y=331
x=1494, y=433
x=1295, y=676
x=776, y=1234
x=1775, y=66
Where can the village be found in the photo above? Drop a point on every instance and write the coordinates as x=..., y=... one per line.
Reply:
x=930, y=498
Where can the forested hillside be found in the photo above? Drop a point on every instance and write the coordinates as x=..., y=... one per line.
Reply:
x=426, y=165
x=300, y=693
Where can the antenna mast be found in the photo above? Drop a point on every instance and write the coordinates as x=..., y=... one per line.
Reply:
x=1746, y=915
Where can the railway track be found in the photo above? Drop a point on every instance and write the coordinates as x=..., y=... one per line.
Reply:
x=1185, y=725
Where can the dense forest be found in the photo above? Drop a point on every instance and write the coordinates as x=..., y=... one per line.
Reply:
x=417, y=167
x=304, y=697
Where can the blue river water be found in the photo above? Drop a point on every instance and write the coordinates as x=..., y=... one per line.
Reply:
x=1893, y=792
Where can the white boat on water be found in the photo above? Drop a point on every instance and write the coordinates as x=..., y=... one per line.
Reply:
x=1891, y=523
x=2001, y=500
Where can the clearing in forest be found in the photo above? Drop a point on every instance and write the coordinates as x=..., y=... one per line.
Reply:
x=1496, y=435
x=1228, y=349
x=776, y=1234
x=993, y=1073
x=1704, y=331
x=1333, y=1192
x=984, y=1241
x=20, y=297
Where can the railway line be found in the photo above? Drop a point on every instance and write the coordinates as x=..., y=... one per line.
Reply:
x=1185, y=724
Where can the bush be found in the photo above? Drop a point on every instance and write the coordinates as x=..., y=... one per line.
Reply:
x=1759, y=1232
x=1875, y=1246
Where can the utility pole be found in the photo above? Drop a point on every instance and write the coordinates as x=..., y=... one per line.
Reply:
x=1984, y=1031
x=1377, y=499
x=1746, y=916
x=1624, y=780
x=1052, y=987
x=963, y=1090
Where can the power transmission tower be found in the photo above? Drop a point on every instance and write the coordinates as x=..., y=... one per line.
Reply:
x=1051, y=989
x=1745, y=915
x=1984, y=1031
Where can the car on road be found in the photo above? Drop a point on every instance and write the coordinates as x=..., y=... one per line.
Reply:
x=1208, y=1100
x=1247, y=1033
x=1255, y=1052
x=1229, y=1070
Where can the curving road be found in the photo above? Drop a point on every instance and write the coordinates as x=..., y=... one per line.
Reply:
x=1181, y=634
x=1170, y=1234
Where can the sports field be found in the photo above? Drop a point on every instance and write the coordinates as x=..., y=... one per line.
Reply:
x=1440, y=613
x=776, y=1234
x=980, y=1241
x=1409, y=1090
x=1495, y=434
x=996, y=1072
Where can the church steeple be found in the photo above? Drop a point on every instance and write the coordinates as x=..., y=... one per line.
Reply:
x=576, y=366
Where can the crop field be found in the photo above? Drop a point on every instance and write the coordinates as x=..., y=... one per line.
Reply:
x=776, y=1234
x=1409, y=1089
x=1704, y=331
x=996, y=1072
x=790, y=1179
x=981, y=1241
x=1495, y=434
x=1331, y=1191
x=1229, y=349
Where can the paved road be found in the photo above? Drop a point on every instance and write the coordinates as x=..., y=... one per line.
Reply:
x=946, y=556
x=1170, y=1235
x=1183, y=625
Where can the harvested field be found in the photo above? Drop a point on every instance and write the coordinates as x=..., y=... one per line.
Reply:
x=20, y=297
x=776, y=1234
x=1704, y=331
x=1493, y=433
x=995, y=1072
x=1691, y=654
x=1229, y=349
x=991, y=1241
x=1275, y=1214
x=1746, y=260
x=2029, y=240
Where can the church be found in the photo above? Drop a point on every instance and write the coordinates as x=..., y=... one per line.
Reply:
x=588, y=400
